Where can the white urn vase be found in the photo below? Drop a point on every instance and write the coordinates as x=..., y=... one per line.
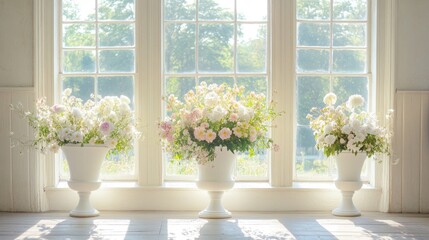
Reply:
x=84, y=164
x=216, y=177
x=349, y=167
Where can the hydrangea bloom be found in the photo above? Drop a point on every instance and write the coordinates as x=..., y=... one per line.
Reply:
x=216, y=115
x=342, y=128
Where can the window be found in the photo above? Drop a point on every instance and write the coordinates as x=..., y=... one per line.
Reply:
x=97, y=57
x=216, y=41
x=332, y=55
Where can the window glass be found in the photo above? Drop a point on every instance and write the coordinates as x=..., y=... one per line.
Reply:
x=216, y=41
x=331, y=56
x=98, y=59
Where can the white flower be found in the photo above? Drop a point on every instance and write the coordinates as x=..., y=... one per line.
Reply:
x=53, y=147
x=67, y=92
x=77, y=113
x=330, y=99
x=342, y=141
x=330, y=139
x=217, y=114
x=328, y=128
x=125, y=100
x=355, y=101
x=211, y=99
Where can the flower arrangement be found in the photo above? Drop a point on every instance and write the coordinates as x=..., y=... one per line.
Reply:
x=216, y=115
x=344, y=128
x=109, y=121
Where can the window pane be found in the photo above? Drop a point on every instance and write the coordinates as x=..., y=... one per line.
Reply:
x=313, y=34
x=117, y=61
x=217, y=80
x=312, y=9
x=119, y=165
x=350, y=9
x=79, y=61
x=312, y=60
x=82, y=10
x=180, y=168
x=309, y=162
x=117, y=86
x=310, y=93
x=349, y=61
x=179, y=9
x=256, y=166
x=255, y=84
x=179, y=86
x=252, y=48
x=215, y=50
x=216, y=9
x=78, y=35
x=349, y=34
x=82, y=87
x=179, y=48
x=255, y=11
x=116, y=10
x=116, y=34
x=343, y=87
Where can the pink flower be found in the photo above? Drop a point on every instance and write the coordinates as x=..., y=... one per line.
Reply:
x=210, y=136
x=58, y=108
x=225, y=133
x=204, y=125
x=106, y=128
x=199, y=133
x=233, y=117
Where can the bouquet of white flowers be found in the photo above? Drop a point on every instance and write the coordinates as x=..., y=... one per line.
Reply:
x=109, y=121
x=216, y=115
x=342, y=128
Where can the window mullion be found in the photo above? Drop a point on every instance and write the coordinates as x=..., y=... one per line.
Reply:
x=282, y=49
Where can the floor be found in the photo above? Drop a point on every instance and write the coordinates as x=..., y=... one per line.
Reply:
x=185, y=225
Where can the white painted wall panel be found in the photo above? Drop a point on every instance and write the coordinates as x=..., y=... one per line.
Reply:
x=16, y=171
x=424, y=164
x=5, y=153
x=396, y=169
x=410, y=177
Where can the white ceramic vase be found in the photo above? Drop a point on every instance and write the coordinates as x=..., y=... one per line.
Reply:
x=349, y=168
x=216, y=177
x=84, y=164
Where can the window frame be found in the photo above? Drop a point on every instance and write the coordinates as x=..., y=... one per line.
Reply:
x=96, y=74
x=233, y=74
x=370, y=165
x=149, y=164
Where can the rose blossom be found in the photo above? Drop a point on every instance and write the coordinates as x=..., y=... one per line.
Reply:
x=58, y=108
x=233, y=117
x=355, y=101
x=199, y=133
x=210, y=136
x=225, y=133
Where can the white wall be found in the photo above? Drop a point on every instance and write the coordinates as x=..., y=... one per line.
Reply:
x=16, y=43
x=412, y=45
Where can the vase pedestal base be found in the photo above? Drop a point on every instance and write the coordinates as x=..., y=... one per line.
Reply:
x=84, y=207
x=347, y=207
x=215, y=210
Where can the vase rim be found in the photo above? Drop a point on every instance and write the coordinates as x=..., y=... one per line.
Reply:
x=84, y=145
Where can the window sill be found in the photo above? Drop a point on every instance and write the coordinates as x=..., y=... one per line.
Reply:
x=184, y=196
x=189, y=185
